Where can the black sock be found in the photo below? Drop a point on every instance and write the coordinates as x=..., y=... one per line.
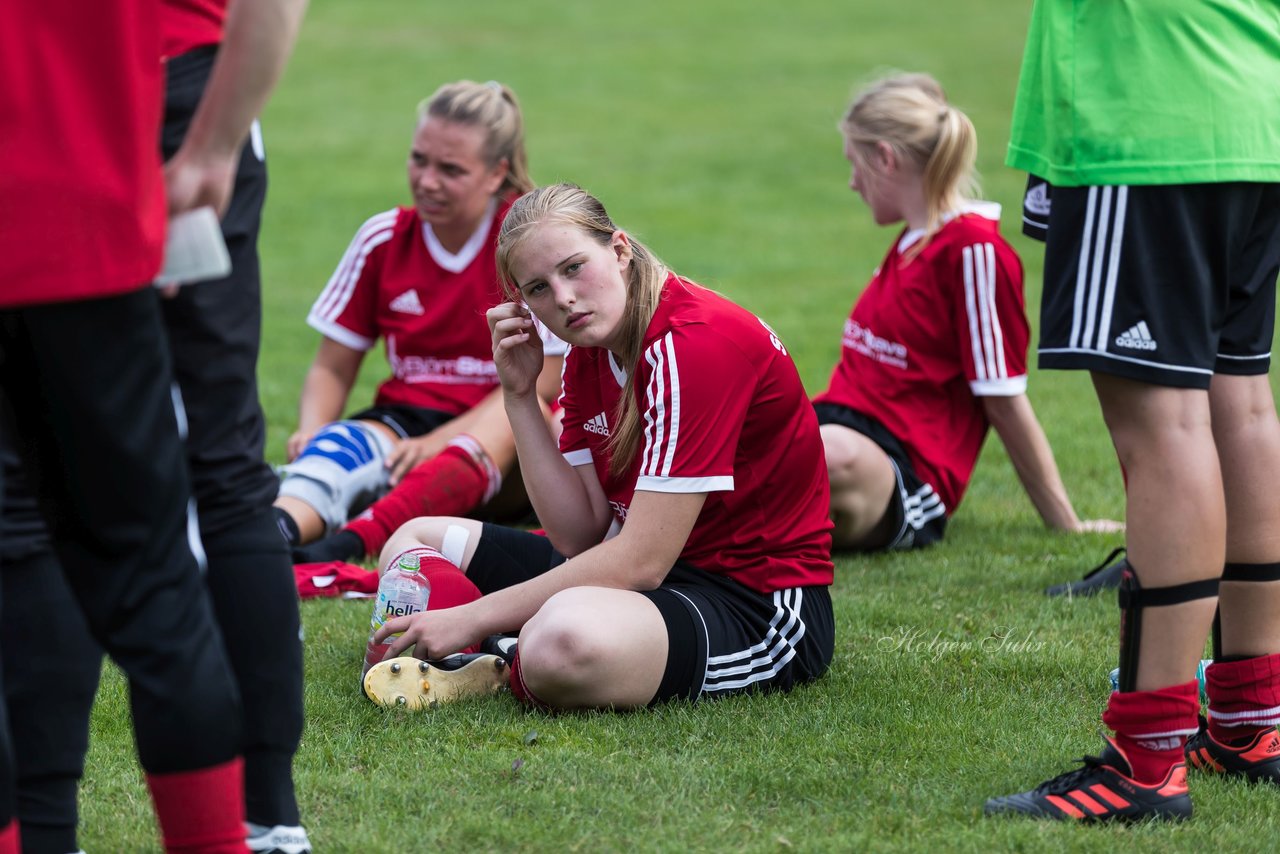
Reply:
x=288, y=527
x=344, y=545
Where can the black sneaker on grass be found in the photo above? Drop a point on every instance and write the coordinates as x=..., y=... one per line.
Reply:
x=1104, y=576
x=1102, y=790
x=1258, y=760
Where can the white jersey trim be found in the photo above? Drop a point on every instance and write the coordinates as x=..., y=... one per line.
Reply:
x=580, y=457
x=456, y=263
x=986, y=337
x=339, y=333
x=716, y=483
x=661, y=419
x=1010, y=387
x=377, y=230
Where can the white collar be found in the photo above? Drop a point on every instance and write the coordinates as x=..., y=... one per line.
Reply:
x=986, y=210
x=457, y=263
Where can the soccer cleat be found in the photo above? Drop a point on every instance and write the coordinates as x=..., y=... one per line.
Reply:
x=1104, y=576
x=1256, y=761
x=1101, y=791
x=276, y=840
x=413, y=684
x=503, y=646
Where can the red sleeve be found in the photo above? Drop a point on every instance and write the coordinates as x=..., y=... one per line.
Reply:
x=694, y=402
x=992, y=334
x=573, y=437
x=346, y=309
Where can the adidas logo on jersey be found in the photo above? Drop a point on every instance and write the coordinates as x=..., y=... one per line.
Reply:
x=407, y=303
x=1137, y=337
x=597, y=425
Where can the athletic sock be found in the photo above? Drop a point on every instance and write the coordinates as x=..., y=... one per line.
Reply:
x=345, y=545
x=9, y=837
x=520, y=690
x=450, y=586
x=455, y=481
x=1151, y=727
x=288, y=527
x=1244, y=697
x=201, y=810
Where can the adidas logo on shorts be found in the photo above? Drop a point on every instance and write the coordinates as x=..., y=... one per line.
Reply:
x=597, y=425
x=1137, y=337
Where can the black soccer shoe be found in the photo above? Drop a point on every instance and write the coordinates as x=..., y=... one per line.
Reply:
x=503, y=646
x=1104, y=576
x=1102, y=790
x=1258, y=760
x=344, y=545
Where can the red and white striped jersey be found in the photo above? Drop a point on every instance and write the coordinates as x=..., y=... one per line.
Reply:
x=725, y=413
x=931, y=335
x=397, y=282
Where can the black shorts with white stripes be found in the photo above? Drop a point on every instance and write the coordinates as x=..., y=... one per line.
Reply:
x=919, y=518
x=406, y=422
x=1161, y=284
x=723, y=638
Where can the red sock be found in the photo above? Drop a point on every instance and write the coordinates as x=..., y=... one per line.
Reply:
x=201, y=810
x=1244, y=697
x=9, y=838
x=1152, y=726
x=451, y=483
x=520, y=690
x=450, y=586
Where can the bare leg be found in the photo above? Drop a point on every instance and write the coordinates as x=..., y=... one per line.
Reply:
x=594, y=647
x=1175, y=511
x=1247, y=434
x=862, y=484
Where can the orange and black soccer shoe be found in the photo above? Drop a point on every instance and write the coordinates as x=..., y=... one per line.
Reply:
x=1101, y=791
x=1257, y=760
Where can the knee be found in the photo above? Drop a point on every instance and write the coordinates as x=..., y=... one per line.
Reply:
x=558, y=649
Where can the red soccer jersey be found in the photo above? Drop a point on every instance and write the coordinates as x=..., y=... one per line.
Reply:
x=189, y=24
x=931, y=335
x=82, y=206
x=397, y=282
x=724, y=413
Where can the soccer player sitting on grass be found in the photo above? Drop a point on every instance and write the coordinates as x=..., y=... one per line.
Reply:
x=688, y=545
x=421, y=278
x=935, y=349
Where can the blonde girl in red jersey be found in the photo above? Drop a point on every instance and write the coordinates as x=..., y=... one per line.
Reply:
x=687, y=548
x=420, y=278
x=934, y=351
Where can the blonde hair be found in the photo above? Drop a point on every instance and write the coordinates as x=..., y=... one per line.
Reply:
x=493, y=108
x=569, y=204
x=910, y=113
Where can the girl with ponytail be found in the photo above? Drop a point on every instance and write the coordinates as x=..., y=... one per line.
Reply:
x=687, y=547
x=935, y=350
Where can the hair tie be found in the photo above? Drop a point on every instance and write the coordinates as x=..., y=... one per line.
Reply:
x=495, y=86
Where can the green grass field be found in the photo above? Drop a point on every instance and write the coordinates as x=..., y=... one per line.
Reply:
x=708, y=128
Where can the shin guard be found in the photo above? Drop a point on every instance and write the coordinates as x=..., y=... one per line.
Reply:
x=1133, y=599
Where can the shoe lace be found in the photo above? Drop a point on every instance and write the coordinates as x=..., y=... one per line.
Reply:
x=1069, y=780
x=1106, y=562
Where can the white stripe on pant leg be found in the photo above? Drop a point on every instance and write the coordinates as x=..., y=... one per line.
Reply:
x=1082, y=268
x=1095, y=274
x=706, y=636
x=1113, y=266
x=193, y=519
x=781, y=652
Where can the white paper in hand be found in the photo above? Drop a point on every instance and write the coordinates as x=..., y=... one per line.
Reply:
x=195, y=250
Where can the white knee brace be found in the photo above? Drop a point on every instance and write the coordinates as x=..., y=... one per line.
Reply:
x=343, y=467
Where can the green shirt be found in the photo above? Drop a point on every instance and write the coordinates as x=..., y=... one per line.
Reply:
x=1149, y=92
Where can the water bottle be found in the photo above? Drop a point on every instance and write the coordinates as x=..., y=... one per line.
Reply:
x=1204, y=662
x=403, y=590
